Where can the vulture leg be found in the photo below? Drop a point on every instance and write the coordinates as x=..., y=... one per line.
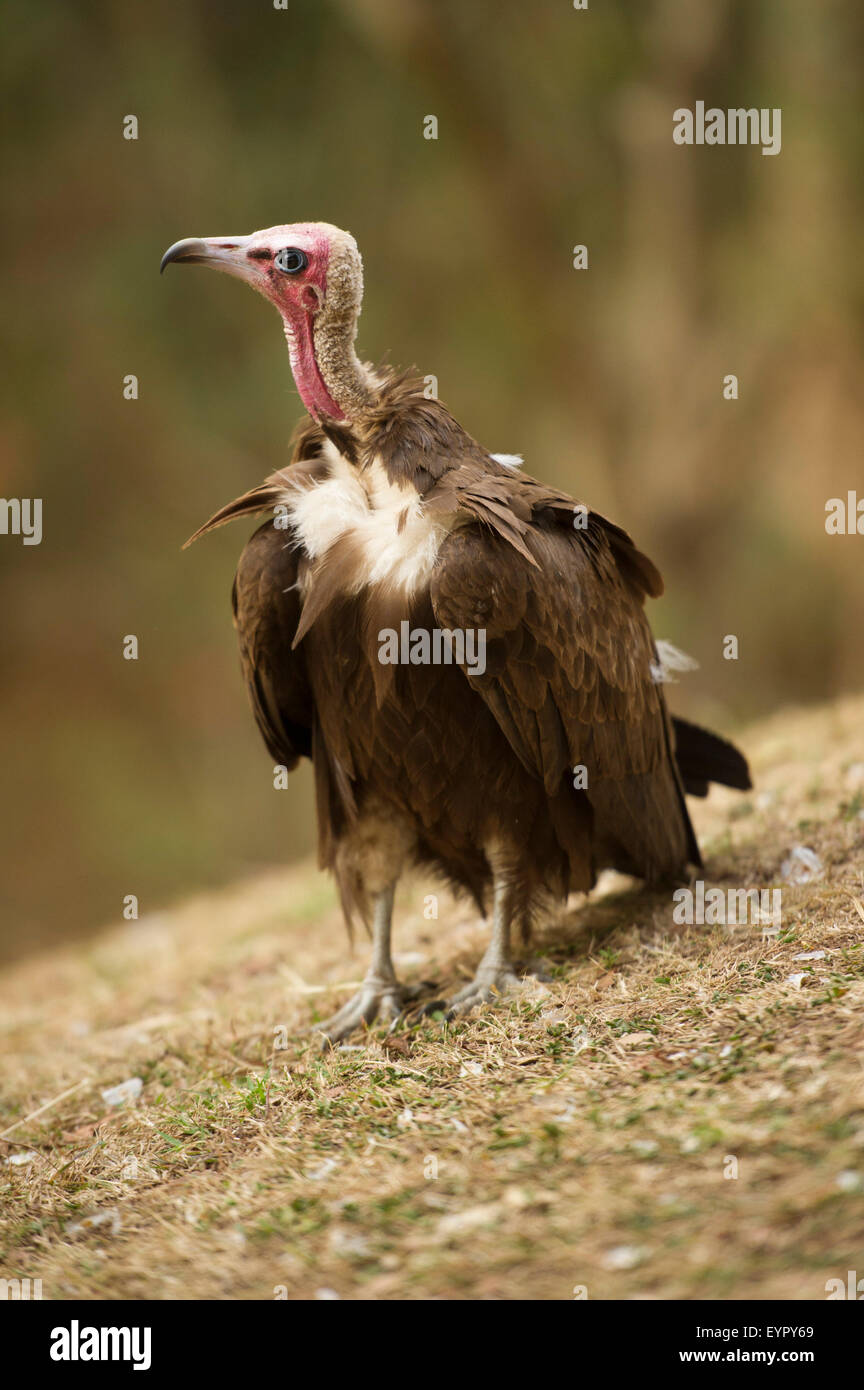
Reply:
x=495, y=973
x=381, y=994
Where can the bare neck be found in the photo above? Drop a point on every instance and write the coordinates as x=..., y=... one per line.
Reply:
x=330, y=378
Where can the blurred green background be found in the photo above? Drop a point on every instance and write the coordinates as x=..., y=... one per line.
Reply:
x=555, y=128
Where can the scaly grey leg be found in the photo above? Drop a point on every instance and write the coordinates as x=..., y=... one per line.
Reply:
x=495, y=973
x=381, y=994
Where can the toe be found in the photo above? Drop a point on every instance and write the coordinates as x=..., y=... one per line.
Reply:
x=390, y=1007
x=349, y=1017
x=335, y=1030
x=372, y=1002
x=485, y=988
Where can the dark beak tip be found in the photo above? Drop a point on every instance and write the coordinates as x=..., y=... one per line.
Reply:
x=189, y=249
x=203, y=251
x=172, y=254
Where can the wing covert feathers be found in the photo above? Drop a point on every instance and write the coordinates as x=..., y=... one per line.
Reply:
x=568, y=675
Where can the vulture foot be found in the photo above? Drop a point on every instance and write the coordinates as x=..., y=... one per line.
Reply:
x=488, y=984
x=377, y=998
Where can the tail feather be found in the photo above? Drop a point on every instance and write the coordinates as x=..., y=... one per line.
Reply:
x=703, y=757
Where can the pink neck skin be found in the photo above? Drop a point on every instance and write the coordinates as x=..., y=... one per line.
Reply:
x=299, y=320
x=299, y=331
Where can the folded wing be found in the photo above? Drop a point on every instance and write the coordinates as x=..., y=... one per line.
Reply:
x=568, y=673
x=267, y=605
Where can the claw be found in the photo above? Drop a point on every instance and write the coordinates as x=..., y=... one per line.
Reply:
x=486, y=986
x=375, y=999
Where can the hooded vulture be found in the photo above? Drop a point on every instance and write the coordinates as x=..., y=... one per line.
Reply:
x=461, y=651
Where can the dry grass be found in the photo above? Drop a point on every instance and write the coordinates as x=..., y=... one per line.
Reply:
x=579, y=1130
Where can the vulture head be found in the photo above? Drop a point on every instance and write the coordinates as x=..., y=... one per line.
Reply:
x=313, y=274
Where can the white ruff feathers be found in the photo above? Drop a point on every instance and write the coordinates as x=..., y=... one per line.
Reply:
x=369, y=508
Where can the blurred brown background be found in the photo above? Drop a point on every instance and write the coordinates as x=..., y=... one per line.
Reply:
x=555, y=128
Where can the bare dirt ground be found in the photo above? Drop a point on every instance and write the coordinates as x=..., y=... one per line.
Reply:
x=678, y=1113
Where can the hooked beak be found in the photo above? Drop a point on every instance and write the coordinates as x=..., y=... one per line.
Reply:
x=222, y=253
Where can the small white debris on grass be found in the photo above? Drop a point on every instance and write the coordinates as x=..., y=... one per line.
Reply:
x=328, y=1296
x=645, y=1147
x=533, y=989
x=126, y=1091
x=850, y=1181
x=322, y=1171
x=554, y=1016
x=471, y=1069
x=405, y=1120
x=810, y=955
x=516, y=1198
x=19, y=1160
x=802, y=865
x=623, y=1257
x=97, y=1220
x=344, y=1242
x=469, y=1220
x=796, y=981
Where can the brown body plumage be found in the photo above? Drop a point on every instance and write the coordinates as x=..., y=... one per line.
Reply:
x=519, y=782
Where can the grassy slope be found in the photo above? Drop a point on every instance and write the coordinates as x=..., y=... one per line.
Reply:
x=579, y=1130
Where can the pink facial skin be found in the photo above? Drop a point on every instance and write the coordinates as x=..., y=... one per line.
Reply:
x=299, y=298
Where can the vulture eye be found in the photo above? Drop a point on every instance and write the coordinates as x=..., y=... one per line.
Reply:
x=291, y=260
